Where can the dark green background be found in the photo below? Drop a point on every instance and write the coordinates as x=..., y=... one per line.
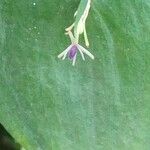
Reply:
x=47, y=104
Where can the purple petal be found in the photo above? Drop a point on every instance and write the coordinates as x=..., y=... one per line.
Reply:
x=72, y=52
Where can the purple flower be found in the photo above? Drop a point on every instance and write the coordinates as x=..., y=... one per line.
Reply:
x=72, y=51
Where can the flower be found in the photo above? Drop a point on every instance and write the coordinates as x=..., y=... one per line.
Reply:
x=79, y=28
x=72, y=51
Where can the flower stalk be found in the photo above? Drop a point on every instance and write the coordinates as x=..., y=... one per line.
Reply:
x=79, y=28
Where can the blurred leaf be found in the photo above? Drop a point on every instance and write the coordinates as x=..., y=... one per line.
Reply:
x=45, y=103
x=7, y=142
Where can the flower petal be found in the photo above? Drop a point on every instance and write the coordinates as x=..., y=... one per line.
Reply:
x=64, y=52
x=74, y=60
x=82, y=55
x=85, y=51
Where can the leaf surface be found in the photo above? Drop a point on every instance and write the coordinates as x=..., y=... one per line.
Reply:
x=45, y=103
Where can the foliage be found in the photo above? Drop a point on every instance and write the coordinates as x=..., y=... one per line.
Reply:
x=45, y=103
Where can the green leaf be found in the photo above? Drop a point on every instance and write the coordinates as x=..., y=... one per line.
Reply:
x=45, y=103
